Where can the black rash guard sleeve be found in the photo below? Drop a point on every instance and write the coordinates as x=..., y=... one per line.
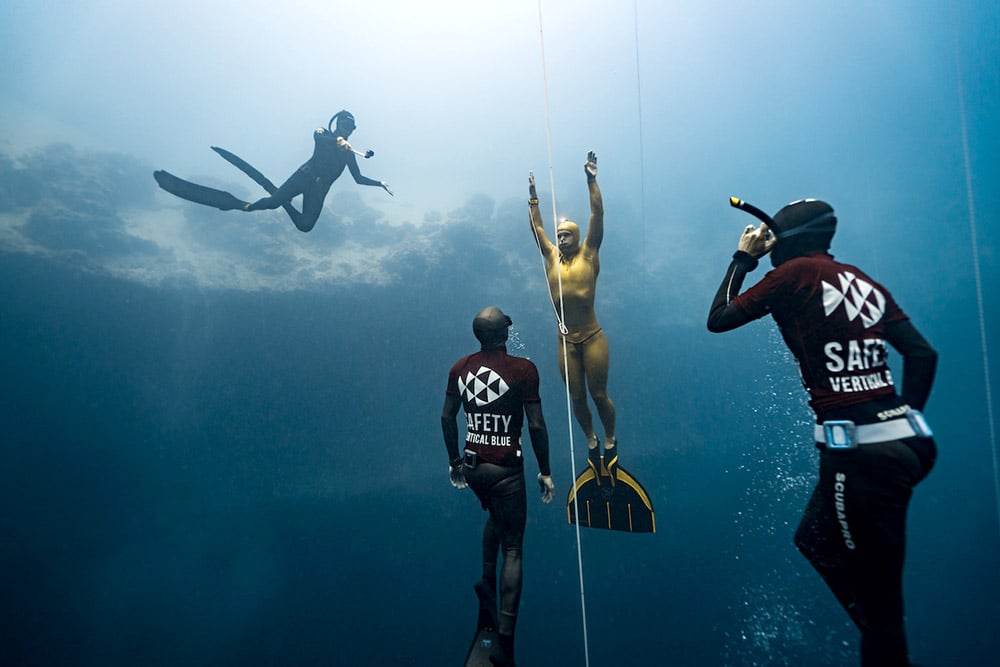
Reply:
x=919, y=361
x=539, y=436
x=722, y=316
x=540, y=443
x=449, y=425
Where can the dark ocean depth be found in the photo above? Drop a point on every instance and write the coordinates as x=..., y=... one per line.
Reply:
x=200, y=476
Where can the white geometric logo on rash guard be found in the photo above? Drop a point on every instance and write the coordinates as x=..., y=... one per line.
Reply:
x=483, y=387
x=860, y=299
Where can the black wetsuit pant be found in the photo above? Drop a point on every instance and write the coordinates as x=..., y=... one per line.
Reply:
x=853, y=532
x=502, y=493
x=305, y=182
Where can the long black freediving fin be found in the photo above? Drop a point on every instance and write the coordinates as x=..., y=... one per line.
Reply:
x=248, y=169
x=198, y=194
x=485, y=650
x=623, y=506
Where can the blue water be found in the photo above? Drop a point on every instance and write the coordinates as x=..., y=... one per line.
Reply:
x=221, y=440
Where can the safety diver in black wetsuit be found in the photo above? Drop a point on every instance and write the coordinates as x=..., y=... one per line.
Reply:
x=314, y=178
x=874, y=443
x=497, y=391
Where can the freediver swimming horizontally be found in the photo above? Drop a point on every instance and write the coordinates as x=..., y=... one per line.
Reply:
x=331, y=154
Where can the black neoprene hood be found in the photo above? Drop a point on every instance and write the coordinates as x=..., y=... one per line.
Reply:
x=805, y=216
x=802, y=228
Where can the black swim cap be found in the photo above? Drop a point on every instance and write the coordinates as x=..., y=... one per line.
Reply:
x=802, y=227
x=805, y=216
x=490, y=327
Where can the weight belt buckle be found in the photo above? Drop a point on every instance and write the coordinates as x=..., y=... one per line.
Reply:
x=840, y=434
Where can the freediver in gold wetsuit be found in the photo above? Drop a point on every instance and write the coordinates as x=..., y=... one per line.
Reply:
x=576, y=265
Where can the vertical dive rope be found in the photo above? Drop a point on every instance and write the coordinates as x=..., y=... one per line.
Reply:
x=642, y=160
x=562, y=318
x=975, y=263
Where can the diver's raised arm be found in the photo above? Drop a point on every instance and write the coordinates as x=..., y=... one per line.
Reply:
x=595, y=231
x=535, y=216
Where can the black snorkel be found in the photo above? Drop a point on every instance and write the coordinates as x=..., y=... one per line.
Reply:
x=752, y=210
x=329, y=126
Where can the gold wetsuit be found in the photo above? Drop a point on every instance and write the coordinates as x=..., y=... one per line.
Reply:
x=572, y=268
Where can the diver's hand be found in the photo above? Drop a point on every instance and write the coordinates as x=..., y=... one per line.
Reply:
x=457, y=476
x=385, y=186
x=756, y=242
x=547, y=487
x=342, y=143
x=591, y=166
x=532, y=192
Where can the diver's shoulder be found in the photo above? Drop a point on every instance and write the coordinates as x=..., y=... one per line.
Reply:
x=522, y=362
